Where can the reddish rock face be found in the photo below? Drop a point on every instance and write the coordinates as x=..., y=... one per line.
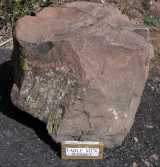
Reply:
x=81, y=68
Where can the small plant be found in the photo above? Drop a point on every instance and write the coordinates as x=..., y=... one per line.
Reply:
x=151, y=21
x=13, y=9
x=20, y=8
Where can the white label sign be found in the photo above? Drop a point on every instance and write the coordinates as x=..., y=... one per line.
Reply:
x=82, y=150
x=89, y=152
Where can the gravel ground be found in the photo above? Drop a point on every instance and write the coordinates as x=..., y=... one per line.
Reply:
x=24, y=141
x=5, y=34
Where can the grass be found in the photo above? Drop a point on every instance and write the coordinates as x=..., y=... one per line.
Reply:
x=14, y=9
x=151, y=21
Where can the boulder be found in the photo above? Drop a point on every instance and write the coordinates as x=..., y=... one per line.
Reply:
x=80, y=68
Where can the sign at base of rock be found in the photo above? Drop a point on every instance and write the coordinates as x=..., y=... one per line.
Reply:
x=81, y=150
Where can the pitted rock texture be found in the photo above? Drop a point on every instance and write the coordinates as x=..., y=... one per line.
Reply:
x=81, y=68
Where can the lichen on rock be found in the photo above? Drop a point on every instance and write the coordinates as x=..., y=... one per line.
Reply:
x=23, y=62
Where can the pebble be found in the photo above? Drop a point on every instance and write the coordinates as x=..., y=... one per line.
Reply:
x=134, y=164
x=154, y=157
x=136, y=139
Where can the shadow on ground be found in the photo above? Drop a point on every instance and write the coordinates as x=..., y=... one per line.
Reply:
x=11, y=111
x=24, y=141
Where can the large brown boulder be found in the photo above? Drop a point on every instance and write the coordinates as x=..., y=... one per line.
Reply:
x=81, y=68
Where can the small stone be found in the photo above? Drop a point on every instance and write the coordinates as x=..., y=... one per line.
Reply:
x=154, y=157
x=134, y=164
x=149, y=126
x=136, y=139
x=147, y=163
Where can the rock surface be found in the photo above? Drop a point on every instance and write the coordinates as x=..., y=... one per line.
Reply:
x=81, y=69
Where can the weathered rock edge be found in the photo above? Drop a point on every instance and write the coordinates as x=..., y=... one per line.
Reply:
x=81, y=69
